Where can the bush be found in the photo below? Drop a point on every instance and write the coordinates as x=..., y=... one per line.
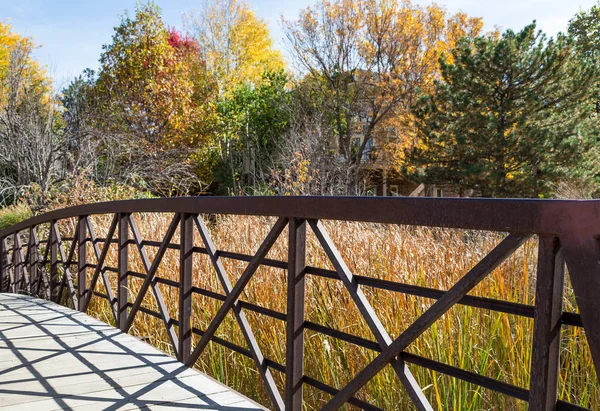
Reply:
x=83, y=190
x=13, y=214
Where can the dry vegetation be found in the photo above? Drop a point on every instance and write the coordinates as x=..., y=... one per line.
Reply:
x=492, y=344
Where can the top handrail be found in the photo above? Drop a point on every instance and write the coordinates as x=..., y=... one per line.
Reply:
x=532, y=216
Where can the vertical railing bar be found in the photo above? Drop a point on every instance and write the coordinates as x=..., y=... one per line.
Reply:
x=44, y=277
x=24, y=276
x=26, y=263
x=2, y=264
x=545, y=358
x=81, y=263
x=53, y=263
x=17, y=269
x=122, y=268
x=32, y=252
x=294, y=363
x=11, y=269
x=186, y=235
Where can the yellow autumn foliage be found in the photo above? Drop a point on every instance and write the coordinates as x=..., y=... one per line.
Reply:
x=235, y=44
x=17, y=66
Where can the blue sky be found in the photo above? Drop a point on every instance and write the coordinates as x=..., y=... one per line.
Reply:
x=72, y=32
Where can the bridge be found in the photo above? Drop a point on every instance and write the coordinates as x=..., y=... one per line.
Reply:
x=49, y=282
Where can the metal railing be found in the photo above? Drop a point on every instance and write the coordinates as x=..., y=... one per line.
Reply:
x=567, y=232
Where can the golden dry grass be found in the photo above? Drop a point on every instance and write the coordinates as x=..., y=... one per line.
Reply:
x=492, y=344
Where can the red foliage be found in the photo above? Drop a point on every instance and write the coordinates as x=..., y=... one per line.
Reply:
x=181, y=42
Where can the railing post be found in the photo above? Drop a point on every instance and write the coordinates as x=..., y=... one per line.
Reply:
x=547, y=325
x=18, y=267
x=2, y=264
x=53, y=264
x=81, y=263
x=186, y=235
x=294, y=362
x=32, y=253
x=122, y=268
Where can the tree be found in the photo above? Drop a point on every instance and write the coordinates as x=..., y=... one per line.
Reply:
x=147, y=108
x=509, y=116
x=366, y=60
x=252, y=123
x=146, y=82
x=31, y=133
x=32, y=138
x=236, y=45
x=249, y=97
x=585, y=30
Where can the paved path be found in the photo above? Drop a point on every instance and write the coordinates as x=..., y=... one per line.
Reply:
x=54, y=358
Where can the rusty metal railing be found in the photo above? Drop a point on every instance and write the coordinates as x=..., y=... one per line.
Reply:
x=567, y=232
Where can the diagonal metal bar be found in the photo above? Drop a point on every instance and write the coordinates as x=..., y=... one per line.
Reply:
x=61, y=288
x=66, y=273
x=32, y=260
x=63, y=282
x=149, y=281
x=9, y=267
x=67, y=262
x=238, y=288
x=73, y=246
x=369, y=315
x=257, y=355
x=100, y=266
x=481, y=270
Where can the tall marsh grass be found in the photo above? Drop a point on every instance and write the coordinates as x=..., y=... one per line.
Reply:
x=492, y=344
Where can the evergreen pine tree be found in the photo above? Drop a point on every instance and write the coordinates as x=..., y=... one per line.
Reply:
x=510, y=115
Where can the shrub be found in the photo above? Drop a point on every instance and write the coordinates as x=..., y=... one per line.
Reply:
x=83, y=190
x=13, y=214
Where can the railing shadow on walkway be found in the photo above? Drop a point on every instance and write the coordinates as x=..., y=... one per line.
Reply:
x=567, y=234
x=145, y=375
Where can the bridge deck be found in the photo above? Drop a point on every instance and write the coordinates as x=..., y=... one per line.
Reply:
x=52, y=358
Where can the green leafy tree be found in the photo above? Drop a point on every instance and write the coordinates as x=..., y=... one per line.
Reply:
x=252, y=123
x=510, y=116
